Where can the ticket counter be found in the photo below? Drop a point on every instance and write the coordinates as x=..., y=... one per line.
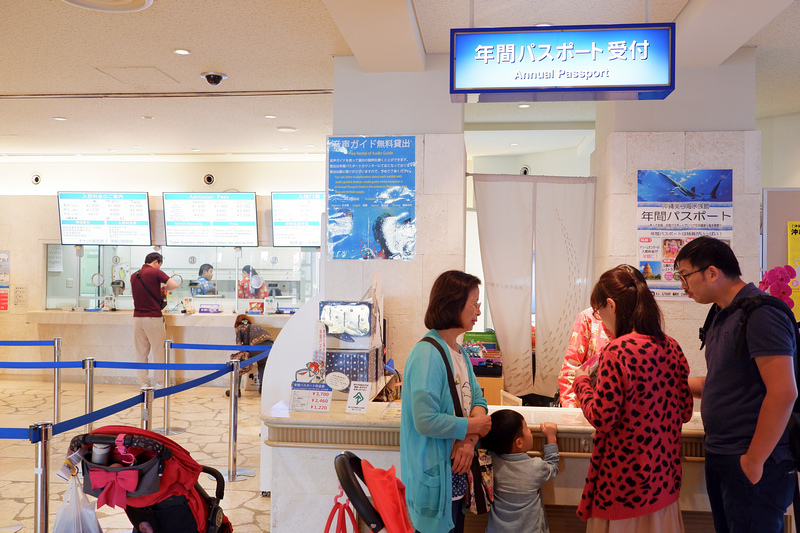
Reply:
x=304, y=445
x=108, y=336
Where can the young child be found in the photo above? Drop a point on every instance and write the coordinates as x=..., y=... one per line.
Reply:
x=517, y=506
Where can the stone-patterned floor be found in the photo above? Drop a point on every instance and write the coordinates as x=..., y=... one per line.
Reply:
x=203, y=411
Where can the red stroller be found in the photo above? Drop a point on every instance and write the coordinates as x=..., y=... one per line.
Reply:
x=154, y=479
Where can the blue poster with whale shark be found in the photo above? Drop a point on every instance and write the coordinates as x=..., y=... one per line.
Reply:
x=674, y=207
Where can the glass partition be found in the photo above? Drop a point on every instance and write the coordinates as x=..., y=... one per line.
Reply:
x=290, y=275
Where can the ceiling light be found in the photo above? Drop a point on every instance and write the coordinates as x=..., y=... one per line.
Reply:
x=111, y=150
x=542, y=24
x=181, y=52
x=118, y=6
x=524, y=106
x=148, y=118
x=514, y=144
x=284, y=149
x=309, y=146
x=287, y=129
x=137, y=145
x=195, y=149
x=270, y=116
x=59, y=118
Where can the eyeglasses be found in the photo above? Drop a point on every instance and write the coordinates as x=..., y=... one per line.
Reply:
x=682, y=277
x=476, y=305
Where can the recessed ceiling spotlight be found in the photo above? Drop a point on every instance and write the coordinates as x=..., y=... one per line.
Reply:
x=111, y=150
x=310, y=146
x=181, y=52
x=59, y=118
x=514, y=144
x=114, y=6
x=148, y=118
x=287, y=129
x=524, y=106
x=137, y=145
x=270, y=116
x=284, y=149
x=543, y=24
x=195, y=149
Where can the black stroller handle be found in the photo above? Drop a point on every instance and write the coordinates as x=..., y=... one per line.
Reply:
x=138, y=441
x=213, y=472
x=348, y=466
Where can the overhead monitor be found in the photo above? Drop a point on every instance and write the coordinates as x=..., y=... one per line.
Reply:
x=210, y=219
x=296, y=218
x=104, y=218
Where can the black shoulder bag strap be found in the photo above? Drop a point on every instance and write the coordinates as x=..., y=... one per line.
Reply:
x=456, y=401
x=159, y=301
x=480, y=501
x=707, y=324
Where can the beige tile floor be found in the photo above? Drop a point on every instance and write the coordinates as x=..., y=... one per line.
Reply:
x=203, y=411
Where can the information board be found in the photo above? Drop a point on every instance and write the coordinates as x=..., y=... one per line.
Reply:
x=296, y=218
x=210, y=219
x=108, y=218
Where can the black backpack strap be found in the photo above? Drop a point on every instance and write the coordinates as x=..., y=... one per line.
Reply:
x=456, y=402
x=707, y=324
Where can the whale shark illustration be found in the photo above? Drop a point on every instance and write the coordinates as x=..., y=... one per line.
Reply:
x=678, y=189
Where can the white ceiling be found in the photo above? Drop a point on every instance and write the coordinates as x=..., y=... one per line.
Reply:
x=104, y=72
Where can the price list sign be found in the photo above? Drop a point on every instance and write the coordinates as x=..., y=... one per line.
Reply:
x=118, y=218
x=210, y=219
x=310, y=397
x=296, y=218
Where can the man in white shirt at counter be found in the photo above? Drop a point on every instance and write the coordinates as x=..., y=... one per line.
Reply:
x=149, y=326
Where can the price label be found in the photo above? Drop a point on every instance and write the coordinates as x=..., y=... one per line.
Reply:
x=310, y=397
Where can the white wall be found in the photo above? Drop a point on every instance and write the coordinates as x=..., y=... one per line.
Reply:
x=156, y=177
x=565, y=162
x=780, y=151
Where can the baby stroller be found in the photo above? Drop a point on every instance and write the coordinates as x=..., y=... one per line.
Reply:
x=154, y=479
x=388, y=494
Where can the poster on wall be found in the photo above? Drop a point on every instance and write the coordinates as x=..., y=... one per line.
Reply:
x=674, y=207
x=793, y=260
x=4, y=279
x=371, y=198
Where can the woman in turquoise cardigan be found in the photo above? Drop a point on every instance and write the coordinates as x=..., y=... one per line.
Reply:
x=436, y=445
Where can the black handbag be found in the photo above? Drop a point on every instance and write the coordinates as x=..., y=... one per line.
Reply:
x=480, y=478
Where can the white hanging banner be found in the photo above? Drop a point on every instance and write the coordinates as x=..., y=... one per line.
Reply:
x=554, y=216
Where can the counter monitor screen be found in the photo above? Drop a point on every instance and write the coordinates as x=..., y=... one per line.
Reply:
x=104, y=218
x=296, y=218
x=211, y=219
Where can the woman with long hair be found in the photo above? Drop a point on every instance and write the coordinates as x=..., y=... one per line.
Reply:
x=638, y=406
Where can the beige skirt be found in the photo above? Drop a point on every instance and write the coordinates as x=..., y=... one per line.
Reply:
x=667, y=520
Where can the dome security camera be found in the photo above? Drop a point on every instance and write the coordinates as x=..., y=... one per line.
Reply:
x=208, y=179
x=36, y=179
x=213, y=78
x=525, y=170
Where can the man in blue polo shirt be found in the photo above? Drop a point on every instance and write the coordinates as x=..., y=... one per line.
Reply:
x=746, y=400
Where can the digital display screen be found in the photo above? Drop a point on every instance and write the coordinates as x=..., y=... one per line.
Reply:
x=296, y=218
x=104, y=218
x=211, y=219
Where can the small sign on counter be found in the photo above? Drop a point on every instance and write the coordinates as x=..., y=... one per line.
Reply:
x=358, y=398
x=310, y=397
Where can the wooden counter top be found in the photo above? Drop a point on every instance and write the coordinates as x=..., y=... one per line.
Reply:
x=122, y=317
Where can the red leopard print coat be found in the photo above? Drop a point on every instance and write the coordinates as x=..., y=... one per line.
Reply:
x=638, y=407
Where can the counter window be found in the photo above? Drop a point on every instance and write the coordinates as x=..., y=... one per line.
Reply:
x=290, y=275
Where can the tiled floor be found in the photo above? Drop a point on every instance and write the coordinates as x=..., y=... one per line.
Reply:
x=203, y=411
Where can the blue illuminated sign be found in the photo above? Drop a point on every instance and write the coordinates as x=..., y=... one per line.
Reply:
x=627, y=61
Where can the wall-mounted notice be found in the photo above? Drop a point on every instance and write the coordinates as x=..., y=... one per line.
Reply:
x=109, y=218
x=5, y=279
x=296, y=218
x=674, y=207
x=371, y=205
x=210, y=219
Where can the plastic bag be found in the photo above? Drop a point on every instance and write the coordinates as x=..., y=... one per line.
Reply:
x=76, y=515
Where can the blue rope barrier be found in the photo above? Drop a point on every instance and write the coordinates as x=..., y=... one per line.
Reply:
x=94, y=416
x=61, y=364
x=234, y=347
x=252, y=360
x=14, y=433
x=27, y=343
x=160, y=366
x=191, y=384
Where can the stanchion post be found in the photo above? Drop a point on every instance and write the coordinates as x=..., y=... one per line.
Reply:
x=57, y=380
x=147, y=407
x=88, y=366
x=168, y=354
x=41, y=475
x=234, y=420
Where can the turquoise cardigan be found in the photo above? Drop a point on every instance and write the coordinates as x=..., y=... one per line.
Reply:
x=428, y=425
